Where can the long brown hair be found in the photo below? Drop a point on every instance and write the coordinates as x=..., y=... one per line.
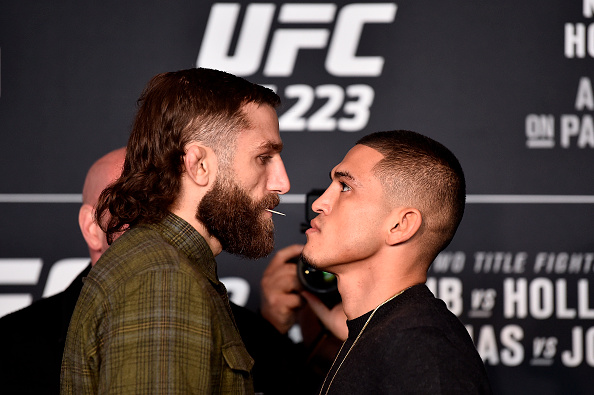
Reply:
x=175, y=109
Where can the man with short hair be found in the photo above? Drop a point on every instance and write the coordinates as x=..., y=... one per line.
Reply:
x=202, y=169
x=394, y=203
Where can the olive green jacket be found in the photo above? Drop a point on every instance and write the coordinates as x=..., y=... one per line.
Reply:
x=153, y=318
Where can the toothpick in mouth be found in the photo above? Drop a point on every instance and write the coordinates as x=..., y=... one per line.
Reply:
x=275, y=212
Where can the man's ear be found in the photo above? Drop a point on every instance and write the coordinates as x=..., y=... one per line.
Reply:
x=90, y=229
x=408, y=221
x=199, y=163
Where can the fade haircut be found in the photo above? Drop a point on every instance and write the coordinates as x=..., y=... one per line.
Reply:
x=419, y=172
x=175, y=109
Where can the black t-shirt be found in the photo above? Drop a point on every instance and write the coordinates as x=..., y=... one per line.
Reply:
x=411, y=345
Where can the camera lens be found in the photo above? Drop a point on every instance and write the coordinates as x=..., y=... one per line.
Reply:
x=316, y=281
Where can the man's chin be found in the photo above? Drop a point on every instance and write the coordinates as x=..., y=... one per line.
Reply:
x=309, y=260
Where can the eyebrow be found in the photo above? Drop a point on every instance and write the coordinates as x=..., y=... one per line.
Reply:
x=344, y=174
x=272, y=146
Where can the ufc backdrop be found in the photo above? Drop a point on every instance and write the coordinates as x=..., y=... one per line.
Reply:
x=506, y=85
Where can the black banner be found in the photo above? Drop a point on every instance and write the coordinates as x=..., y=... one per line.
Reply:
x=506, y=85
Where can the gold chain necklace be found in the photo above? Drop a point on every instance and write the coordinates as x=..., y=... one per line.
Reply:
x=352, y=345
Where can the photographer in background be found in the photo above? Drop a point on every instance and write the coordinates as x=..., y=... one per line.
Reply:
x=283, y=293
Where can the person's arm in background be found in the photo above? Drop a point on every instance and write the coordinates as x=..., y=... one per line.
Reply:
x=280, y=289
x=282, y=296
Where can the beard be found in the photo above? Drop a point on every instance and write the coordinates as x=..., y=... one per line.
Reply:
x=236, y=220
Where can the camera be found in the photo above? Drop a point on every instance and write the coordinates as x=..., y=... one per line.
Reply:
x=320, y=283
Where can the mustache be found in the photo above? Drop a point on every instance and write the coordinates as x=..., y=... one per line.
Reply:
x=269, y=201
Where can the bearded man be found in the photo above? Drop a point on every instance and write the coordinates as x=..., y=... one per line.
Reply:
x=202, y=169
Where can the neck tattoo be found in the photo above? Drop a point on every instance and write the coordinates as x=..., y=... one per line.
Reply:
x=352, y=345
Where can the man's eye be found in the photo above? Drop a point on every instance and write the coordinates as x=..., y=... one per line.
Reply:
x=264, y=159
x=344, y=187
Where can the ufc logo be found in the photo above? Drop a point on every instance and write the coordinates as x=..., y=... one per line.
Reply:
x=285, y=44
